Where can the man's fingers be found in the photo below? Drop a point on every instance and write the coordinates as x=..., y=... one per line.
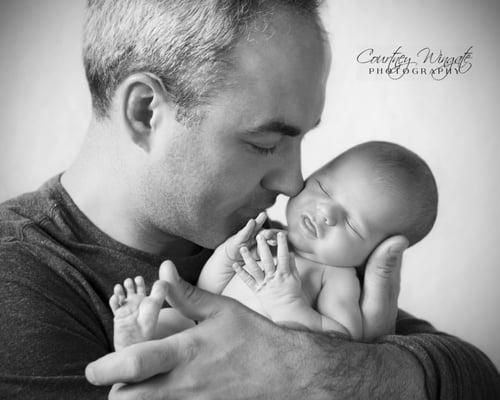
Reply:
x=384, y=266
x=139, y=361
x=379, y=299
x=194, y=303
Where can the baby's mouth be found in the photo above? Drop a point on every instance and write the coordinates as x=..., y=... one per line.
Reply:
x=308, y=226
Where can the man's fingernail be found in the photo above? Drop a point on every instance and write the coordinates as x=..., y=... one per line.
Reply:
x=398, y=248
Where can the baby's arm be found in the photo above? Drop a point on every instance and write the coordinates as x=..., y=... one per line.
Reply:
x=338, y=302
x=218, y=270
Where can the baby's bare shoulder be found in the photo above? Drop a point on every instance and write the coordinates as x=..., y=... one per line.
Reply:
x=323, y=272
x=340, y=277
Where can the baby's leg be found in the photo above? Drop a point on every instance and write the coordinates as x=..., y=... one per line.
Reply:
x=136, y=315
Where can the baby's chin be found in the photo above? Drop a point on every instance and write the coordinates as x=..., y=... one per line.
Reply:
x=302, y=247
x=296, y=241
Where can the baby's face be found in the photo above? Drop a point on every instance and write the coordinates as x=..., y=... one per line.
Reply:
x=342, y=214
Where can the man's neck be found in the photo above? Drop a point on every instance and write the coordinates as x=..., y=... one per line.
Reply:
x=106, y=199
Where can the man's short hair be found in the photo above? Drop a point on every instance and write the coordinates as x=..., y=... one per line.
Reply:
x=187, y=44
x=408, y=176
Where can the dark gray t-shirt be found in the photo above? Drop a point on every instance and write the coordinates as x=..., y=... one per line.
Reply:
x=57, y=271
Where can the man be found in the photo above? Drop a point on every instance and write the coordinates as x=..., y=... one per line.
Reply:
x=198, y=113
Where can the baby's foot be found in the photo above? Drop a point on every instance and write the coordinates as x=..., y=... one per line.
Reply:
x=136, y=315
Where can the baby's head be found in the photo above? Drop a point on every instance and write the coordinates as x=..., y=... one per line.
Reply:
x=370, y=192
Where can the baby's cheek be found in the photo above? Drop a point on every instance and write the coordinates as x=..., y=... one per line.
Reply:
x=342, y=253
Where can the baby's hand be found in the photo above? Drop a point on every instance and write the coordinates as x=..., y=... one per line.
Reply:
x=270, y=235
x=244, y=238
x=277, y=284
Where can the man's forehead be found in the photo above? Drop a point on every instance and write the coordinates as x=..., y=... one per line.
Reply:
x=275, y=84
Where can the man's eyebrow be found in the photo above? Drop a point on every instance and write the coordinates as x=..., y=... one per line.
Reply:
x=279, y=127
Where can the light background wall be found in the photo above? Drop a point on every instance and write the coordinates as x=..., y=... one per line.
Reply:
x=452, y=278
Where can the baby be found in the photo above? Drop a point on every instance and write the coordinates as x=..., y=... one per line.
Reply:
x=346, y=209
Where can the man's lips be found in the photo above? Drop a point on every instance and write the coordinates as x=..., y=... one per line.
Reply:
x=308, y=226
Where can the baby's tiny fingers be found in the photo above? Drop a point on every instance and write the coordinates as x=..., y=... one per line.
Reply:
x=270, y=235
x=293, y=266
x=246, y=232
x=259, y=221
x=283, y=254
x=251, y=265
x=245, y=276
x=265, y=256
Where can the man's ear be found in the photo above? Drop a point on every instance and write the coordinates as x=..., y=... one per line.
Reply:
x=142, y=94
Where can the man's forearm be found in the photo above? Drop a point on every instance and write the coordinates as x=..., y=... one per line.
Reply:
x=453, y=369
x=337, y=368
x=417, y=363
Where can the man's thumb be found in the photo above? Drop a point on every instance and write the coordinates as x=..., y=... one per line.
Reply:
x=379, y=298
x=194, y=303
x=384, y=265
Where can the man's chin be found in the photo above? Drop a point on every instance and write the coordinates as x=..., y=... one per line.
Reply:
x=213, y=239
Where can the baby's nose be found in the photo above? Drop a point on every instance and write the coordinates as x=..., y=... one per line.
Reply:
x=327, y=214
x=331, y=221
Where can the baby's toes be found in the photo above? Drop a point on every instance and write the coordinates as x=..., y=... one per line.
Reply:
x=129, y=287
x=119, y=294
x=140, y=285
x=114, y=303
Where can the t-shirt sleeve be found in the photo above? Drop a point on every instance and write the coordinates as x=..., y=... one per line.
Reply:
x=48, y=333
x=453, y=369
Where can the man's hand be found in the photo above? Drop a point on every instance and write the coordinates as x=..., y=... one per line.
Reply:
x=233, y=353
x=379, y=296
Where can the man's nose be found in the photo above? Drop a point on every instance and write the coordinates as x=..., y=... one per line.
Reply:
x=287, y=177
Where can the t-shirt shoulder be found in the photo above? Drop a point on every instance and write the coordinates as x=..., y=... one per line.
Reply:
x=24, y=211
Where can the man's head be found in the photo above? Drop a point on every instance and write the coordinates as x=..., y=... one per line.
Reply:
x=189, y=45
x=370, y=192
x=211, y=100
